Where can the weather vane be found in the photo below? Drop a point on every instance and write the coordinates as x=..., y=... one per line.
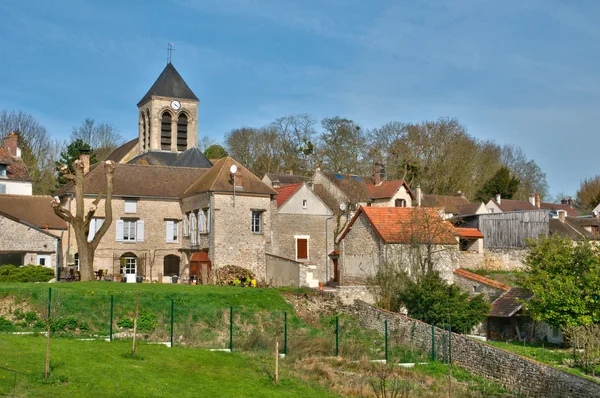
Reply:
x=169, y=52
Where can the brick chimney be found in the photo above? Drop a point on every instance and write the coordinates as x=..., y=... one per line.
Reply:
x=10, y=143
x=84, y=157
x=537, y=200
x=563, y=201
x=561, y=215
x=532, y=199
x=460, y=194
x=239, y=181
x=419, y=195
x=570, y=202
x=378, y=173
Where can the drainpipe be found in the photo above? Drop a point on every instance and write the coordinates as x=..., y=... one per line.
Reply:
x=326, y=249
x=57, y=253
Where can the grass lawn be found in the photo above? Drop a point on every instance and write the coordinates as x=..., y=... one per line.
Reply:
x=100, y=369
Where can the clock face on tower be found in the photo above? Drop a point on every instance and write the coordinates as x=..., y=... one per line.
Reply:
x=175, y=105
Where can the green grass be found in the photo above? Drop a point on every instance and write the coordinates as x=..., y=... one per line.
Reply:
x=102, y=369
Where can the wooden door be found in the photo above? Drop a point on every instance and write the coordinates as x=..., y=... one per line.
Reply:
x=205, y=271
x=336, y=274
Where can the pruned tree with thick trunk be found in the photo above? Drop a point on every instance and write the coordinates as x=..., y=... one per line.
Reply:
x=80, y=221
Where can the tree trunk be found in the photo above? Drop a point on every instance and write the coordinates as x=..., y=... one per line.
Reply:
x=86, y=255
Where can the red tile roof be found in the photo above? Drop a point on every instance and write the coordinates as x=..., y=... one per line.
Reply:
x=469, y=233
x=407, y=224
x=386, y=189
x=284, y=193
x=15, y=167
x=482, y=279
x=510, y=302
x=449, y=203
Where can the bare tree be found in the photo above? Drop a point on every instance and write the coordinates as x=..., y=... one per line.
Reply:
x=532, y=179
x=81, y=220
x=296, y=135
x=103, y=138
x=343, y=145
x=588, y=194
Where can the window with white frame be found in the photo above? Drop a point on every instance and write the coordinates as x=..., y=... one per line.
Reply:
x=130, y=230
x=172, y=227
x=95, y=225
x=3, y=169
x=257, y=221
x=130, y=206
x=304, y=203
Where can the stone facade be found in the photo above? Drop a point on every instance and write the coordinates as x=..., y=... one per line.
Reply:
x=493, y=259
x=19, y=238
x=391, y=202
x=474, y=287
x=517, y=373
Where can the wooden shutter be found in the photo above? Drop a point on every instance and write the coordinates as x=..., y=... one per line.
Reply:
x=208, y=220
x=302, y=245
x=92, y=231
x=140, y=231
x=169, y=231
x=119, y=230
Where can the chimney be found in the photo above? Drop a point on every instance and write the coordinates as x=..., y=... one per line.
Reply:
x=570, y=202
x=10, y=143
x=84, y=157
x=291, y=172
x=419, y=195
x=532, y=199
x=460, y=194
x=563, y=201
x=561, y=215
x=537, y=200
x=378, y=173
x=318, y=168
x=239, y=180
x=498, y=198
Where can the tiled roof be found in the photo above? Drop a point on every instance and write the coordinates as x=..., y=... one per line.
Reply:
x=407, y=225
x=353, y=186
x=169, y=84
x=34, y=210
x=218, y=179
x=569, y=229
x=386, y=189
x=16, y=169
x=284, y=193
x=481, y=279
x=449, y=203
x=585, y=222
x=136, y=180
x=327, y=198
x=468, y=209
x=469, y=233
x=119, y=153
x=510, y=302
x=286, y=179
x=571, y=212
x=514, y=205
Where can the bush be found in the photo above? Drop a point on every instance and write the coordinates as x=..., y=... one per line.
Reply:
x=26, y=273
x=5, y=324
x=234, y=275
x=147, y=322
x=68, y=324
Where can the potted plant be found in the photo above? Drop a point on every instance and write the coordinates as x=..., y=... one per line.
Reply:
x=118, y=277
x=174, y=278
x=139, y=279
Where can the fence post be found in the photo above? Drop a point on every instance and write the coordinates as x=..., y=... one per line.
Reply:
x=49, y=301
x=433, y=342
x=112, y=303
x=386, y=341
x=231, y=329
x=172, y=319
x=337, y=339
x=450, y=344
x=285, y=333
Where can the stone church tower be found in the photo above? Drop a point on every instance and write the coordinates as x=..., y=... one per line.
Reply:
x=168, y=115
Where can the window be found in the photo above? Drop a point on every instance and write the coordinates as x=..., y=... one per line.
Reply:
x=257, y=221
x=130, y=230
x=95, y=225
x=400, y=203
x=357, y=178
x=165, y=132
x=128, y=264
x=12, y=258
x=339, y=176
x=172, y=230
x=3, y=170
x=182, y=126
x=302, y=247
x=304, y=203
x=2, y=188
x=44, y=260
x=171, y=265
x=130, y=205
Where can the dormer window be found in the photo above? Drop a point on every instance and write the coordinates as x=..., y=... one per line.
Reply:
x=3, y=168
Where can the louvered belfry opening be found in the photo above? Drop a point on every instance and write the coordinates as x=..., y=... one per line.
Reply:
x=144, y=133
x=165, y=132
x=182, y=130
x=149, y=126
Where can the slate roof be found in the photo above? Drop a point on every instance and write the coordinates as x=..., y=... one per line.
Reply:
x=287, y=179
x=119, y=153
x=571, y=212
x=469, y=233
x=218, y=179
x=514, y=205
x=15, y=167
x=169, y=84
x=387, y=189
x=284, y=193
x=192, y=157
x=481, y=279
x=449, y=203
x=139, y=181
x=34, y=210
x=509, y=303
x=569, y=229
x=402, y=225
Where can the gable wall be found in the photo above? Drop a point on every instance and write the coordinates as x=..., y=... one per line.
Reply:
x=360, y=253
x=19, y=238
x=314, y=205
x=402, y=193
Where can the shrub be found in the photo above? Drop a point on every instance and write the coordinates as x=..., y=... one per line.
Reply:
x=68, y=324
x=5, y=324
x=147, y=322
x=30, y=317
x=228, y=274
x=125, y=323
x=26, y=273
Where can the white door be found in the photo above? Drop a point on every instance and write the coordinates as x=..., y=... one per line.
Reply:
x=44, y=260
x=129, y=269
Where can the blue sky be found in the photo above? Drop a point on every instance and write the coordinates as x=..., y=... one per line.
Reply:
x=521, y=72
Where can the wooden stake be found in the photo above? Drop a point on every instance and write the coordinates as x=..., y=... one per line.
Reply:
x=276, y=361
x=47, y=371
x=137, y=309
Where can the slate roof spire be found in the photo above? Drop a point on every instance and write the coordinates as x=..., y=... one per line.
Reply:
x=169, y=84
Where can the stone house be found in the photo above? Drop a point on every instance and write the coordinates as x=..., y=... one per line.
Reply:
x=30, y=232
x=396, y=236
x=447, y=204
x=281, y=180
x=500, y=205
x=302, y=227
x=14, y=177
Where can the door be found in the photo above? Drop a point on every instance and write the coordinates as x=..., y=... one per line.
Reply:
x=44, y=260
x=200, y=267
x=129, y=269
x=336, y=274
x=205, y=267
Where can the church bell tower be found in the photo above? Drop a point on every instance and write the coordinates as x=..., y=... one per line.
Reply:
x=168, y=115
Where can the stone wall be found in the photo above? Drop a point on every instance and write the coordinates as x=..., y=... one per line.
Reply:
x=348, y=294
x=493, y=259
x=515, y=372
x=474, y=287
x=20, y=238
x=360, y=253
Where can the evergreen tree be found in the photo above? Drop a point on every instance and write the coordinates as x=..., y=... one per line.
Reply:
x=501, y=183
x=67, y=158
x=215, y=152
